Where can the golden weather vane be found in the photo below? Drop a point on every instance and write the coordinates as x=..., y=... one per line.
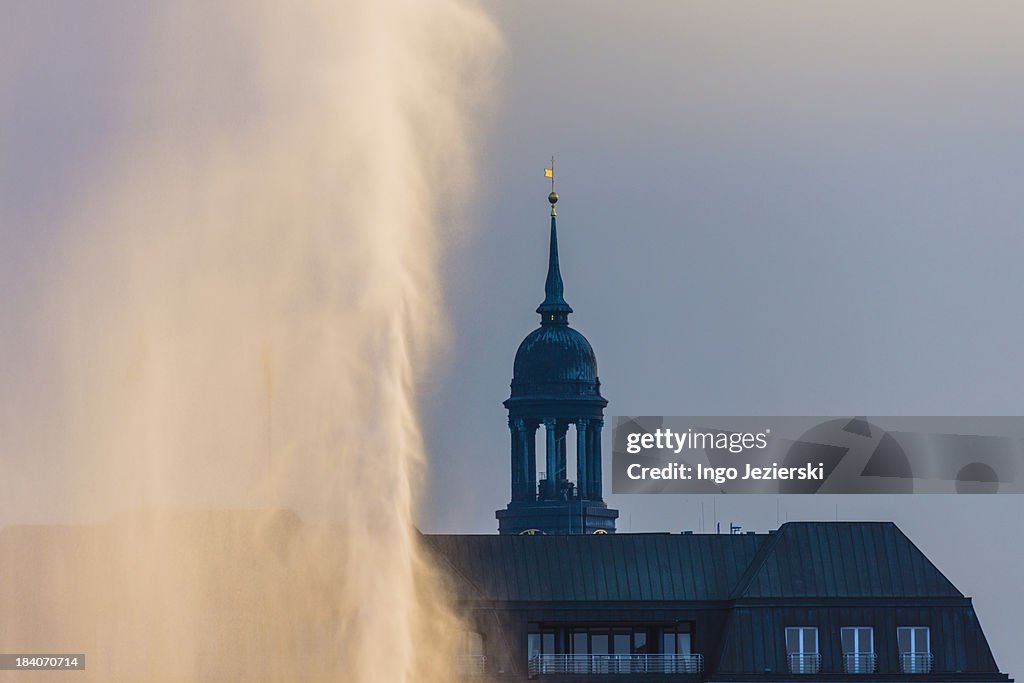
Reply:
x=553, y=197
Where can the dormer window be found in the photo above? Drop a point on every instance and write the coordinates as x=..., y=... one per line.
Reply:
x=915, y=643
x=802, y=650
x=471, y=653
x=858, y=649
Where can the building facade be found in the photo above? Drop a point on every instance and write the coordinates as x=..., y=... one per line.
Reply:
x=557, y=595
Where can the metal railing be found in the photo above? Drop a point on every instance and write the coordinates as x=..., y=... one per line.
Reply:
x=860, y=662
x=916, y=662
x=471, y=664
x=804, y=663
x=616, y=664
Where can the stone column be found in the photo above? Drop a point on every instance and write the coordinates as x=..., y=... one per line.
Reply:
x=514, y=457
x=549, y=425
x=521, y=486
x=531, y=457
x=595, y=460
x=561, y=428
x=582, y=457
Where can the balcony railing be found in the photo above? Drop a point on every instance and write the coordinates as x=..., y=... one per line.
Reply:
x=616, y=664
x=804, y=663
x=916, y=662
x=860, y=662
x=469, y=665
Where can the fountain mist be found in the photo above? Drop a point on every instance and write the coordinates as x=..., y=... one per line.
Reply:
x=242, y=305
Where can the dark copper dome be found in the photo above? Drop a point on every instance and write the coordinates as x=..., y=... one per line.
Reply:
x=555, y=361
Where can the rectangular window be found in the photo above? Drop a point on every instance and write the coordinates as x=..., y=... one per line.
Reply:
x=802, y=640
x=620, y=642
x=619, y=648
x=471, y=659
x=915, y=644
x=802, y=649
x=858, y=639
x=548, y=642
x=532, y=645
x=914, y=639
x=858, y=649
x=472, y=643
x=676, y=640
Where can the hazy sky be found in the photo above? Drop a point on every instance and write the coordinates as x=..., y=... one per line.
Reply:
x=766, y=208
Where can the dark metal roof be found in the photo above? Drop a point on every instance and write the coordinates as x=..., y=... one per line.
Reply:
x=843, y=560
x=743, y=591
x=801, y=560
x=612, y=567
x=553, y=360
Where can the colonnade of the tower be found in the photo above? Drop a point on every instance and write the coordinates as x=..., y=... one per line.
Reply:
x=556, y=484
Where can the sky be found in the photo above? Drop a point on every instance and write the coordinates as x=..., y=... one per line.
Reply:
x=766, y=209
x=787, y=208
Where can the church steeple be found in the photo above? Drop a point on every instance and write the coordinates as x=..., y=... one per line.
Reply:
x=554, y=310
x=555, y=389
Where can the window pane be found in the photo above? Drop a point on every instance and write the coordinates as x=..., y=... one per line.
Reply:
x=849, y=637
x=921, y=639
x=683, y=644
x=668, y=643
x=472, y=643
x=792, y=640
x=914, y=639
x=599, y=643
x=532, y=645
x=579, y=642
x=549, y=643
x=858, y=640
x=639, y=641
x=802, y=640
x=621, y=643
x=903, y=639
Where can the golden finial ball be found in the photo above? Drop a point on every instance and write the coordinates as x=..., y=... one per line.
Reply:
x=553, y=197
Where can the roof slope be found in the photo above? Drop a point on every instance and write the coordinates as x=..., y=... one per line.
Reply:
x=801, y=560
x=612, y=567
x=843, y=560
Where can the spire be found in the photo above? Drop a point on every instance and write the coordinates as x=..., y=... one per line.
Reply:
x=554, y=310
